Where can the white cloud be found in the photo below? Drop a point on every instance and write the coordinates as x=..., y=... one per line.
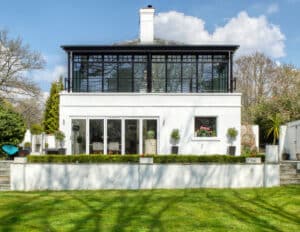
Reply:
x=251, y=33
x=273, y=8
x=49, y=75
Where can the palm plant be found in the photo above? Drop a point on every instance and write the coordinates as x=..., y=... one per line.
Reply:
x=274, y=127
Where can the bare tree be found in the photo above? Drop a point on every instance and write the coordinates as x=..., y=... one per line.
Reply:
x=16, y=60
x=255, y=74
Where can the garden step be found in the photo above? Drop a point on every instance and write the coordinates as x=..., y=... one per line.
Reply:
x=4, y=172
x=289, y=175
x=4, y=180
x=290, y=181
x=4, y=187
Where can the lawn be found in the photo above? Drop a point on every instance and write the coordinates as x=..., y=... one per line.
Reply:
x=273, y=209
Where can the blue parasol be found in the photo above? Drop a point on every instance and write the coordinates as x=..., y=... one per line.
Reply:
x=9, y=149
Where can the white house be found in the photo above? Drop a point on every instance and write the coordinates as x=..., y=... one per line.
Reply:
x=127, y=98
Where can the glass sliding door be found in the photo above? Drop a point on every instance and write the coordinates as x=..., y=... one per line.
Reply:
x=78, y=137
x=96, y=136
x=150, y=136
x=114, y=136
x=132, y=136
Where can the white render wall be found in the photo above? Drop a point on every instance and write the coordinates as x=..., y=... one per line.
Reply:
x=171, y=110
x=289, y=139
x=141, y=176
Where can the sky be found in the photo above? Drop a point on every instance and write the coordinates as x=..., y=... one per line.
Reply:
x=264, y=26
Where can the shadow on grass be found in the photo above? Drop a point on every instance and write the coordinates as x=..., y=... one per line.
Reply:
x=152, y=210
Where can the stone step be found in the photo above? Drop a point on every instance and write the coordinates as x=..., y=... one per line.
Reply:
x=4, y=180
x=288, y=166
x=4, y=172
x=289, y=181
x=287, y=172
x=289, y=175
x=4, y=187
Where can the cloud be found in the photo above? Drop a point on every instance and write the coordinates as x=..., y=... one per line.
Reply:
x=273, y=8
x=251, y=33
x=49, y=75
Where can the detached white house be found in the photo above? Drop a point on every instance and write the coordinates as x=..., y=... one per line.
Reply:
x=127, y=98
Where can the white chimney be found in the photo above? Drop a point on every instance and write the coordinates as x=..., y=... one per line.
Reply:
x=147, y=25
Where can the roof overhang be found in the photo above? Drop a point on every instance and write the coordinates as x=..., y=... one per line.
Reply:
x=149, y=48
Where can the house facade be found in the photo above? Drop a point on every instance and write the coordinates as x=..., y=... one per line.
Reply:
x=128, y=98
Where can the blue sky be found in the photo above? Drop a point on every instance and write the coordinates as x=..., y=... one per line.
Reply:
x=267, y=26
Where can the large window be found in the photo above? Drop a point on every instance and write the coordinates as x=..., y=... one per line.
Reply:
x=157, y=73
x=78, y=136
x=205, y=127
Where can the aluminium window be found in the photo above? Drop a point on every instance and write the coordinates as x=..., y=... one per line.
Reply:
x=205, y=126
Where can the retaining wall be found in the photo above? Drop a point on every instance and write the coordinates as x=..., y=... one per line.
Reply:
x=141, y=176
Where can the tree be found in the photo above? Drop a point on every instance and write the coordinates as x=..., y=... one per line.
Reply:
x=31, y=110
x=16, y=59
x=12, y=127
x=255, y=74
x=51, y=114
x=274, y=127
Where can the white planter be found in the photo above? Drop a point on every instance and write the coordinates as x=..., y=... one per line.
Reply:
x=146, y=160
x=253, y=160
x=20, y=160
x=150, y=146
x=272, y=154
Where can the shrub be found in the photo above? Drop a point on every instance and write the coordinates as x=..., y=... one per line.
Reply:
x=232, y=133
x=27, y=145
x=36, y=129
x=150, y=134
x=59, y=135
x=175, y=135
x=84, y=159
x=161, y=159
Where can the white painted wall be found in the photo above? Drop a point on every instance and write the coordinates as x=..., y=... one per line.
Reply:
x=171, y=110
x=141, y=176
x=289, y=140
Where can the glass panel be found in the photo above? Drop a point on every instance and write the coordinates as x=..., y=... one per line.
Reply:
x=110, y=73
x=158, y=74
x=174, y=74
x=205, y=127
x=78, y=137
x=220, y=77
x=189, y=83
x=131, y=137
x=96, y=136
x=114, y=136
x=95, y=76
x=150, y=136
x=125, y=74
x=205, y=77
x=140, y=77
x=80, y=74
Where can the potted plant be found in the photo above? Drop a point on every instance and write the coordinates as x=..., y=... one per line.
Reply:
x=232, y=133
x=273, y=131
x=60, y=136
x=27, y=146
x=150, y=142
x=175, y=137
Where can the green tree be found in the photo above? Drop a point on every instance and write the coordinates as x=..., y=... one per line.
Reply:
x=274, y=127
x=51, y=114
x=12, y=126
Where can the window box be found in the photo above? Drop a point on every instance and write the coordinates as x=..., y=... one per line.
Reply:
x=205, y=127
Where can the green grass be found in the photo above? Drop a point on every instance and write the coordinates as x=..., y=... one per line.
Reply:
x=273, y=209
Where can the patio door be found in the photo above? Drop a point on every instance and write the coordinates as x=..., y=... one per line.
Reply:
x=132, y=141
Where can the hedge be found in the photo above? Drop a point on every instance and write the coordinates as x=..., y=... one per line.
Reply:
x=83, y=159
x=162, y=159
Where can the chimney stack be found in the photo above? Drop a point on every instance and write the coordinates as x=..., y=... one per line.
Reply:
x=147, y=25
